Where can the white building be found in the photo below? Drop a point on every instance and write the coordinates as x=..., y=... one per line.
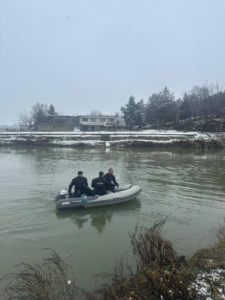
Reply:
x=90, y=122
x=24, y=127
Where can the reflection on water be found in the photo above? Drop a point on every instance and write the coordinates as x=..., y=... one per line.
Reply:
x=188, y=186
x=99, y=216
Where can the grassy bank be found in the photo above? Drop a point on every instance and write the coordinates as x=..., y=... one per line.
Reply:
x=159, y=274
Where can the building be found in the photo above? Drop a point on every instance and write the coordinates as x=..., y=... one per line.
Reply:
x=92, y=123
x=80, y=123
x=58, y=123
x=24, y=127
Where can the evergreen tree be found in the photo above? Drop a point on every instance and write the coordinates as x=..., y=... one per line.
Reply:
x=151, y=114
x=38, y=112
x=161, y=107
x=185, y=111
x=51, y=110
x=140, y=113
x=129, y=111
x=167, y=110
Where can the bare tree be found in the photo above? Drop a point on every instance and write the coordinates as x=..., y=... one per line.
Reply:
x=25, y=117
x=217, y=87
x=96, y=113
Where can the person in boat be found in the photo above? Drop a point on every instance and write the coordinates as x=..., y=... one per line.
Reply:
x=111, y=180
x=99, y=184
x=81, y=186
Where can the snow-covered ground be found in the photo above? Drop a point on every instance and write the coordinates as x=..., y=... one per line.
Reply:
x=80, y=133
x=206, y=283
x=103, y=138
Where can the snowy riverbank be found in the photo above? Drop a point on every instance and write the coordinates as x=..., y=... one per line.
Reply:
x=150, y=139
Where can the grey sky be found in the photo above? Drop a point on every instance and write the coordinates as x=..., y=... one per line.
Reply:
x=93, y=54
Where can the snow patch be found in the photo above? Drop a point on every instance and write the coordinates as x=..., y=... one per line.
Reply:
x=72, y=143
x=205, y=281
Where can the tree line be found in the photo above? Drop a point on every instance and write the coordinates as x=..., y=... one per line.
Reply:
x=201, y=102
x=204, y=102
x=38, y=111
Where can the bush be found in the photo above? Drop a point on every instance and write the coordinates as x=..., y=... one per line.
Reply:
x=160, y=273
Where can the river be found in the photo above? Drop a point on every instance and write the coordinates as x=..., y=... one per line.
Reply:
x=187, y=186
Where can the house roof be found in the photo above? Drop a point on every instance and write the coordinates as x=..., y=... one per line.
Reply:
x=62, y=116
x=92, y=116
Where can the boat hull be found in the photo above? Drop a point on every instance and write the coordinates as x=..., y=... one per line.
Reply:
x=122, y=195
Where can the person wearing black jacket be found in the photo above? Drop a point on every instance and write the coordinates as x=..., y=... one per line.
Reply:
x=111, y=180
x=99, y=184
x=81, y=185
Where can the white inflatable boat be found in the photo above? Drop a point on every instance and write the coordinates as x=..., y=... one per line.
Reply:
x=121, y=195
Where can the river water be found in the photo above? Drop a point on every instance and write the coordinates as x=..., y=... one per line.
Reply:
x=187, y=186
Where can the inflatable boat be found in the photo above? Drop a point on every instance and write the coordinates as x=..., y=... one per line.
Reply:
x=121, y=195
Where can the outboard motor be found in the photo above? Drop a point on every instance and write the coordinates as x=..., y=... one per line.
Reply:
x=63, y=194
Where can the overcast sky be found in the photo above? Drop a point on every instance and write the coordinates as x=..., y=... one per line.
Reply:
x=93, y=54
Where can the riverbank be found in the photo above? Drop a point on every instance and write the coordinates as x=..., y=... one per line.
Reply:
x=208, y=268
x=144, y=139
x=162, y=274
x=159, y=274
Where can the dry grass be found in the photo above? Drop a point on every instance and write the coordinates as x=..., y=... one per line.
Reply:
x=212, y=257
x=51, y=280
x=159, y=274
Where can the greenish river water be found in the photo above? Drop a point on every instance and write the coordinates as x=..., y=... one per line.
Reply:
x=188, y=186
